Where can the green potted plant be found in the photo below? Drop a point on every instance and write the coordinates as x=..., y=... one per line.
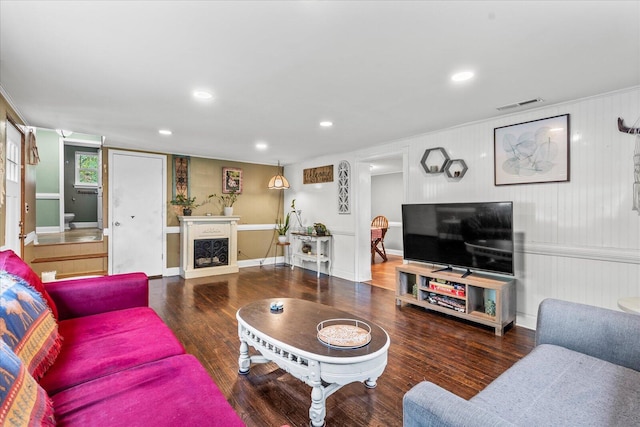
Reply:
x=321, y=229
x=187, y=203
x=282, y=227
x=227, y=201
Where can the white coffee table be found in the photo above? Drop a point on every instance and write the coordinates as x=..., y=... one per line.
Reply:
x=289, y=339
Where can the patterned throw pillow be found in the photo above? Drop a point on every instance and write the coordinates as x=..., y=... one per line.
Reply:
x=12, y=263
x=22, y=401
x=27, y=325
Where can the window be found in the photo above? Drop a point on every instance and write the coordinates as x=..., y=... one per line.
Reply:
x=86, y=169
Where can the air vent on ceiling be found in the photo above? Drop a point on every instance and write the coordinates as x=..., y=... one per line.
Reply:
x=520, y=104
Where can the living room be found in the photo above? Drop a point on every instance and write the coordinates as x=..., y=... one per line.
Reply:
x=577, y=239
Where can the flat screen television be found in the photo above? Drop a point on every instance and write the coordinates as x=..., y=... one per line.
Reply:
x=473, y=236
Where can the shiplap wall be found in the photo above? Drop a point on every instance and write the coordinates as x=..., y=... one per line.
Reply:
x=576, y=240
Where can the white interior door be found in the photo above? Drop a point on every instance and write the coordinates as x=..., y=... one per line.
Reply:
x=13, y=167
x=137, y=207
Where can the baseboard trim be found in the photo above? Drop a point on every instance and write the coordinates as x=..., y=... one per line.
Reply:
x=257, y=262
x=47, y=230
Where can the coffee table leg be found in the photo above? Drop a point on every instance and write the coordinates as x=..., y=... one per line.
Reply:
x=371, y=383
x=318, y=408
x=244, y=361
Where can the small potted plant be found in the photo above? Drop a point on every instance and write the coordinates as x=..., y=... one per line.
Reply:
x=187, y=203
x=282, y=227
x=227, y=201
x=321, y=229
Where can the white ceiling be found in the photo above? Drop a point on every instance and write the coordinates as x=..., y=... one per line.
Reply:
x=380, y=70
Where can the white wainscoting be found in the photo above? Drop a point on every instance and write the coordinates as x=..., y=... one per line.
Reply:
x=579, y=240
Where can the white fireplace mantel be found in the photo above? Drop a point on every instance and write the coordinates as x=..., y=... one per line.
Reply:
x=194, y=228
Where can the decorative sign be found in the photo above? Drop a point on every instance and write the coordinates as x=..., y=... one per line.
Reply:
x=318, y=175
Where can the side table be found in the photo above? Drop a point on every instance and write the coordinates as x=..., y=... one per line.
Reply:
x=285, y=252
x=322, y=247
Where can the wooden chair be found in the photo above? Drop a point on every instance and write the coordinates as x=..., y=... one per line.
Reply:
x=379, y=227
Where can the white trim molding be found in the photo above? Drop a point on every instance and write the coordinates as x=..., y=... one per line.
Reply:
x=47, y=196
x=627, y=256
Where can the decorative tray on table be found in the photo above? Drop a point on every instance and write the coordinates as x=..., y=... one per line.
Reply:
x=344, y=333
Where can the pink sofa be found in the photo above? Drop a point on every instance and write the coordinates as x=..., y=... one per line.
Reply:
x=119, y=364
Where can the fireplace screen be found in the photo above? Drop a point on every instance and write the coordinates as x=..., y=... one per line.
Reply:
x=210, y=252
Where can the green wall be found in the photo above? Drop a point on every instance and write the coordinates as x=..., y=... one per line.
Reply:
x=48, y=178
x=48, y=170
x=81, y=202
x=47, y=213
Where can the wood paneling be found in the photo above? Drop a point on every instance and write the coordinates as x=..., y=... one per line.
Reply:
x=461, y=357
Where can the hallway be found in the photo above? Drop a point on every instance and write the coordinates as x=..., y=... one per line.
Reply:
x=383, y=274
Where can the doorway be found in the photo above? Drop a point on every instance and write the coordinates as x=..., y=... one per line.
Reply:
x=81, y=185
x=387, y=197
x=59, y=192
x=367, y=197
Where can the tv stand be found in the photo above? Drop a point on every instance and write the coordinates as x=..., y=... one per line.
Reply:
x=448, y=268
x=483, y=298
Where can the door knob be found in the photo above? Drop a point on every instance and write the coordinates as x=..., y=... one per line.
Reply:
x=116, y=223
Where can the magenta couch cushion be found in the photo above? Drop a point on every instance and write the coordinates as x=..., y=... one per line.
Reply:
x=176, y=391
x=84, y=297
x=99, y=345
x=13, y=264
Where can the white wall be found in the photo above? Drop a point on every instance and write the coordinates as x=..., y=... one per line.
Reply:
x=577, y=241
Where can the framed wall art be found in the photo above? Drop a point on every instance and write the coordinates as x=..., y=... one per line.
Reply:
x=231, y=180
x=181, y=176
x=532, y=152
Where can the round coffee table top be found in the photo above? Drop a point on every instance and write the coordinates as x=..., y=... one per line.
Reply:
x=296, y=326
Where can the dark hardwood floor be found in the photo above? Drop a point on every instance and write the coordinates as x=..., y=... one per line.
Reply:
x=461, y=357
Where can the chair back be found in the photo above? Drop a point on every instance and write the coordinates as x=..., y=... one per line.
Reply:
x=380, y=222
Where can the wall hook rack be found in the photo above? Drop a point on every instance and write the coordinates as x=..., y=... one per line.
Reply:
x=624, y=129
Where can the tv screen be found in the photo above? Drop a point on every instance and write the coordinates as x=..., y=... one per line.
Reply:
x=475, y=236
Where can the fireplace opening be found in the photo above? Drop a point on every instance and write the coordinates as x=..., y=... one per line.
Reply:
x=210, y=252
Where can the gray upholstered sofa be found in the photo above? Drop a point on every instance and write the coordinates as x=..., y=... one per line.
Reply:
x=584, y=371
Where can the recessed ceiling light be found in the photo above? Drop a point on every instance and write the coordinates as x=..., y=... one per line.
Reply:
x=261, y=146
x=202, y=94
x=165, y=132
x=326, y=124
x=462, y=76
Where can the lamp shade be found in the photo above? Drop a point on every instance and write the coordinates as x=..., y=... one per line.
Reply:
x=278, y=182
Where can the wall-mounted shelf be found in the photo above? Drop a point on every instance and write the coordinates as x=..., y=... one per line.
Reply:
x=434, y=165
x=436, y=161
x=456, y=168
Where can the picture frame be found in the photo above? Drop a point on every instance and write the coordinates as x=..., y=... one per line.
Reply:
x=532, y=152
x=231, y=180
